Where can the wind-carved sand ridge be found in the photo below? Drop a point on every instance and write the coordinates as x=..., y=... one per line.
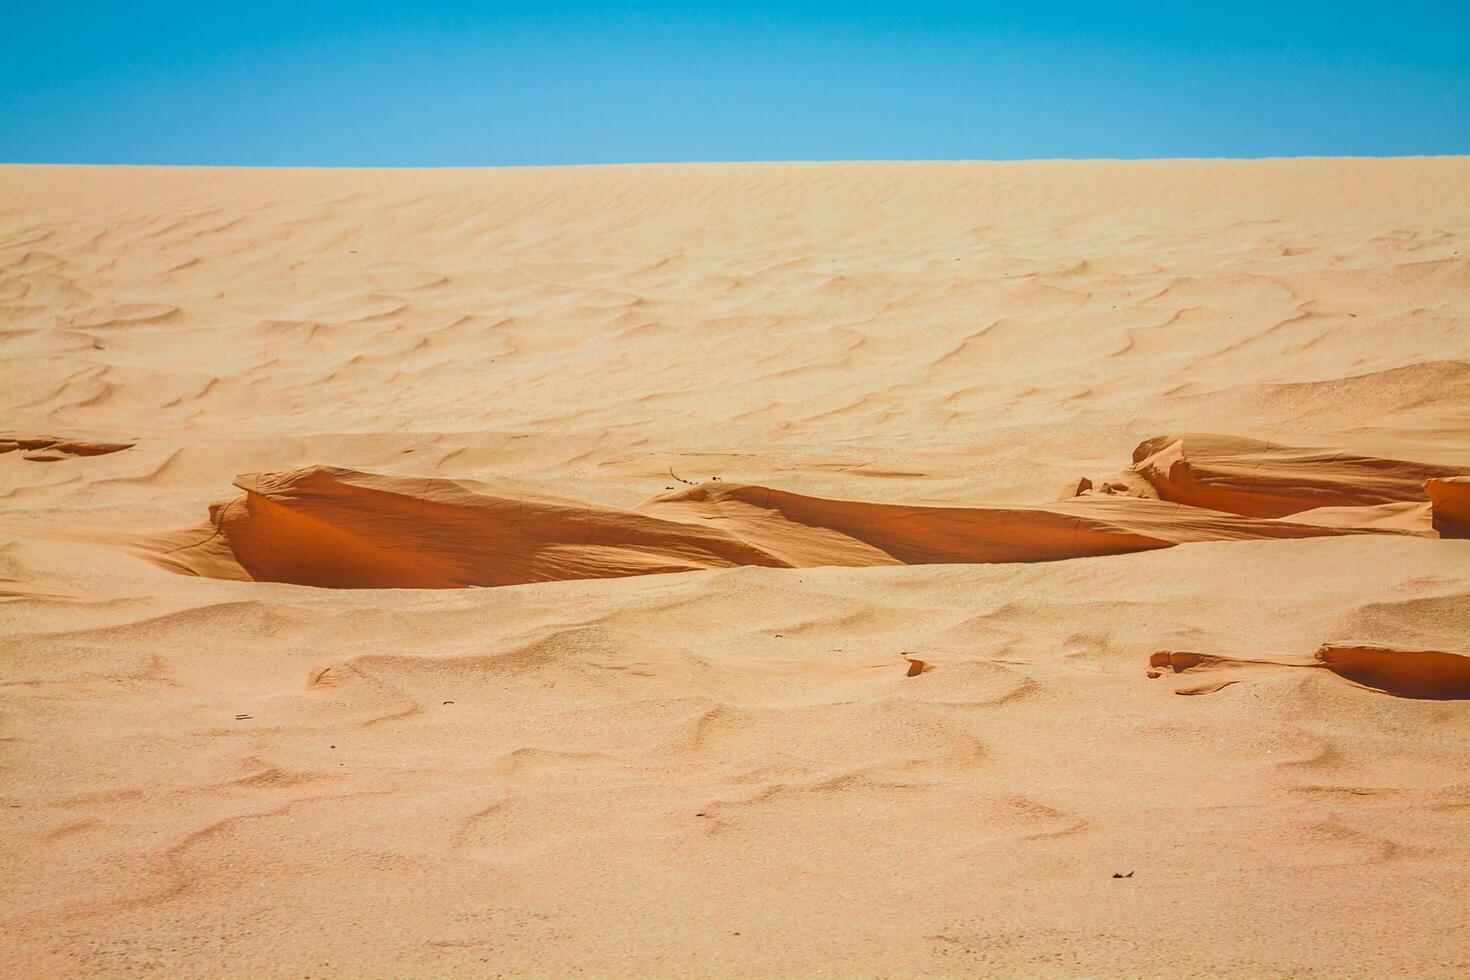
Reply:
x=964, y=447
x=46, y=449
x=337, y=528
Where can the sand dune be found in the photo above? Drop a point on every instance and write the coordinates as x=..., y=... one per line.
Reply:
x=748, y=570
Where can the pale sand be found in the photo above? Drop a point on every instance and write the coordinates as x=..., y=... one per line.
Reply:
x=931, y=760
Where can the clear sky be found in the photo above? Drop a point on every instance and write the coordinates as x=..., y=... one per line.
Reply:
x=324, y=83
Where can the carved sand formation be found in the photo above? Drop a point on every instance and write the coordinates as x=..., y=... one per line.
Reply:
x=337, y=528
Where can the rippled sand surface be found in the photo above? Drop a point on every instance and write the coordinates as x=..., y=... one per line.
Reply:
x=748, y=570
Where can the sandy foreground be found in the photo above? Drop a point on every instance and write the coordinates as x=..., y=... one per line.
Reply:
x=827, y=523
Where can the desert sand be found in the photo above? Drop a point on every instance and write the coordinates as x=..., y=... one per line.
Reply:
x=1045, y=569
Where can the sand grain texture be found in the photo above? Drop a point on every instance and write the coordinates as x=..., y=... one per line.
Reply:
x=749, y=570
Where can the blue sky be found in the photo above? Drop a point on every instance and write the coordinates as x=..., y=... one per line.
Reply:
x=459, y=84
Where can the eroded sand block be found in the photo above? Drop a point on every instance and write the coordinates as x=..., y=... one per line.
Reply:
x=1450, y=499
x=1263, y=479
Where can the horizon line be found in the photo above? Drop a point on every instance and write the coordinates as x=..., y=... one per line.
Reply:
x=855, y=161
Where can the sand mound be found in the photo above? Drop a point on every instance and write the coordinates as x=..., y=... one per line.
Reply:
x=1265, y=479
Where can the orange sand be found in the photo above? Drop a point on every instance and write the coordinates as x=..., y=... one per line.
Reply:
x=751, y=570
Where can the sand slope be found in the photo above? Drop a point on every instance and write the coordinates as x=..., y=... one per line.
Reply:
x=737, y=570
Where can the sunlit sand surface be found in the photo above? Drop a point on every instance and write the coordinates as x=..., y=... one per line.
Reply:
x=749, y=570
